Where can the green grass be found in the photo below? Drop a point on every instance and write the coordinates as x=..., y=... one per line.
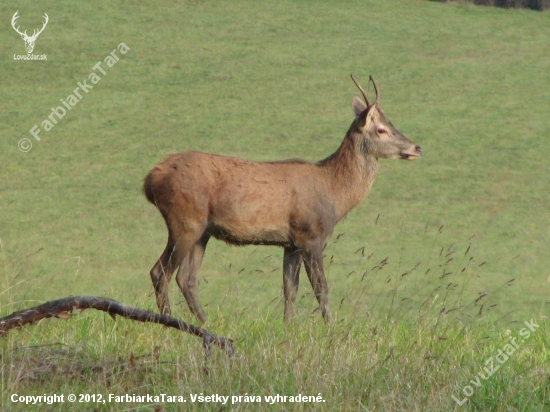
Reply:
x=384, y=363
x=266, y=82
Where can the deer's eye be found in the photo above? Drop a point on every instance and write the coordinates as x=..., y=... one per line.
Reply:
x=382, y=131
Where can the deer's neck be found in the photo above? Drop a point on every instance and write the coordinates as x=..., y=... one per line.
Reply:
x=351, y=170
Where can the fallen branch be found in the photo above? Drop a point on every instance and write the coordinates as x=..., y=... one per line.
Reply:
x=62, y=308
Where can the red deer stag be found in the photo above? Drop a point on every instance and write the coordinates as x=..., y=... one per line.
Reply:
x=290, y=203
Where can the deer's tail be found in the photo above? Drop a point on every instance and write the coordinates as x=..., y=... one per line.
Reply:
x=154, y=183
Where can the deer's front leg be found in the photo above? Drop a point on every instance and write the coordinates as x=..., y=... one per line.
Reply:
x=313, y=261
x=291, y=276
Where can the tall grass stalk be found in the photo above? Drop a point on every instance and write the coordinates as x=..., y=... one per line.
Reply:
x=412, y=348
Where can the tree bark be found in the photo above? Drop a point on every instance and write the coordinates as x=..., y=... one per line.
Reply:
x=62, y=308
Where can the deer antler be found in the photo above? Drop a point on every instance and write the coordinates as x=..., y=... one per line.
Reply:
x=376, y=100
x=15, y=16
x=36, y=33
x=362, y=91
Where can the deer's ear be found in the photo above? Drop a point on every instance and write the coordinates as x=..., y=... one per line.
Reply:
x=358, y=105
x=367, y=117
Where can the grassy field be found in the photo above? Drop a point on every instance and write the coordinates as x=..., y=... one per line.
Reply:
x=467, y=221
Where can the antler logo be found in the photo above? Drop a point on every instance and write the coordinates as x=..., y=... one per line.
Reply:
x=29, y=40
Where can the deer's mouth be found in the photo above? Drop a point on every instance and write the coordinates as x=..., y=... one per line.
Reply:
x=412, y=156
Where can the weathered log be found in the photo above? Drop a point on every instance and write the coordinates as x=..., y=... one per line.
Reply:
x=62, y=308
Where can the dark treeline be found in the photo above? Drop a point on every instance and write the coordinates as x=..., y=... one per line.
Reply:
x=539, y=5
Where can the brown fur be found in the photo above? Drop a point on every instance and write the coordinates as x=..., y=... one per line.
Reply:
x=292, y=203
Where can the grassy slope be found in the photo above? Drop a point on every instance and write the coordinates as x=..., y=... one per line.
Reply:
x=466, y=83
x=469, y=84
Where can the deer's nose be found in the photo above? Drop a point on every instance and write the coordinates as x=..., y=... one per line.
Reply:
x=418, y=149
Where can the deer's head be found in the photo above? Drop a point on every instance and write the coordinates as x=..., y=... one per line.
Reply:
x=377, y=135
x=29, y=40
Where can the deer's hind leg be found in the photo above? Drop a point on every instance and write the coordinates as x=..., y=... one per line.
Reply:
x=187, y=277
x=161, y=273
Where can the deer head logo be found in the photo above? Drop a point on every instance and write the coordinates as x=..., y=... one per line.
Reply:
x=29, y=40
